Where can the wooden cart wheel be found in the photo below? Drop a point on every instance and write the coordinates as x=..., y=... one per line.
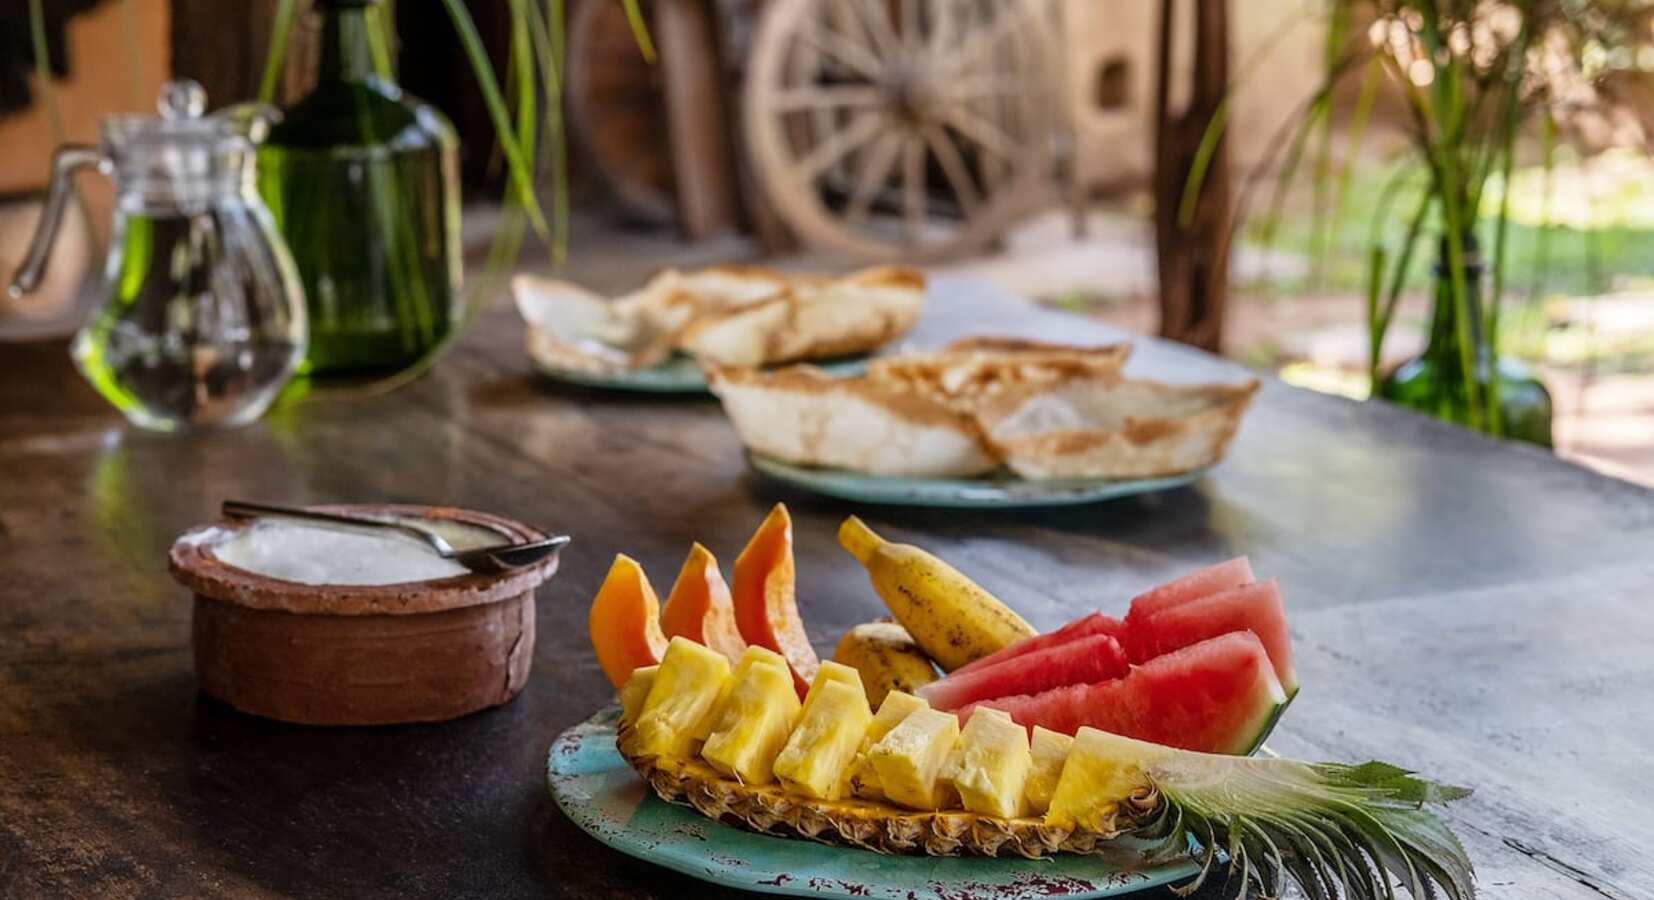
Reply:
x=617, y=112
x=900, y=129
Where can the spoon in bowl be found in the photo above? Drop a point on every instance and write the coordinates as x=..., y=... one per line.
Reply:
x=487, y=560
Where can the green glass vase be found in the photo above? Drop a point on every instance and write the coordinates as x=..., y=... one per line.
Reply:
x=1434, y=381
x=363, y=182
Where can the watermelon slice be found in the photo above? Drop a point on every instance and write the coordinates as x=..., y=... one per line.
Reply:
x=1253, y=607
x=1094, y=624
x=1221, y=577
x=1084, y=660
x=1217, y=696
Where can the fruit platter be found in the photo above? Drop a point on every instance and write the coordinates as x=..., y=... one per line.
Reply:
x=954, y=748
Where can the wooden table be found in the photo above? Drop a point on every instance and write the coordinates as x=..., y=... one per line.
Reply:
x=1476, y=610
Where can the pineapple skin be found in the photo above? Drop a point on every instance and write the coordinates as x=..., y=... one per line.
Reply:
x=870, y=825
x=759, y=712
x=816, y=759
x=1049, y=750
x=684, y=691
x=909, y=760
x=993, y=766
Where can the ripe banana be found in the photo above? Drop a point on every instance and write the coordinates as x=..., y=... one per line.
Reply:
x=954, y=620
x=887, y=657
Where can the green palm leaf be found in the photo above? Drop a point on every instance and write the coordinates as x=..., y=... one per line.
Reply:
x=1335, y=830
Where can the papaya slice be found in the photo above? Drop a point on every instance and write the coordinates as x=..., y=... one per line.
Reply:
x=625, y=621
x=766, y=602
x=699, y=606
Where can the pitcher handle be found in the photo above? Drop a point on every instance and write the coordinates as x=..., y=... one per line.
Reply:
x=69, y=159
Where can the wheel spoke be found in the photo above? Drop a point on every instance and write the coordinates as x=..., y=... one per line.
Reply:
x=863, y=128
x=985, y=133
x=833, y=44
x=953, y=167
x=837, y=97
x=913, y=187
x=972, y=88
x=871, y=174
x=973, y=46
x=877, y=24
x=941, y=23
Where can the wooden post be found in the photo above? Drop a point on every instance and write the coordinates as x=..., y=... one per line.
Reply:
x=223, y=46
x=703, y=160
x=1193, y=258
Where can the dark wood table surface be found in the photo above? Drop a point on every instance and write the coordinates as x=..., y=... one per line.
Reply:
x=1476, y=610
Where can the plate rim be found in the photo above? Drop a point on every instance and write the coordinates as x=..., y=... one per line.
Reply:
x=1065, y=492
x=627, y=381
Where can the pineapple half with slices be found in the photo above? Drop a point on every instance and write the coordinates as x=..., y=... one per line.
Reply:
x=816, y=759
x=750, y=657
x=1049, y=750
x=910, y=760
x=685, y=688
x=992, y=769
x=757, y=715
x=636, y=692
x=864, y=782
x=1329, y=827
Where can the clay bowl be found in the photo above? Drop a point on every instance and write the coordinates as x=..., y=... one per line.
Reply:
x=420, y=651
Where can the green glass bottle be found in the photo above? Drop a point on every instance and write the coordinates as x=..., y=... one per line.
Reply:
x=363, y=181
x=1433, y=382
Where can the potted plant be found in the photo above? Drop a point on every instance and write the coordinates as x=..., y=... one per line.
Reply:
x=1476, y=80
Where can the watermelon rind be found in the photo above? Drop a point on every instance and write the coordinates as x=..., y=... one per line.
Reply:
x=1269, y=723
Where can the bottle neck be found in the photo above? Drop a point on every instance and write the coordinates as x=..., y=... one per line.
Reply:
x=347, y=53
x=1444, y=332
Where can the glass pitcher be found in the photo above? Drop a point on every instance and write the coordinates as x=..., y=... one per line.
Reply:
x=202, y=318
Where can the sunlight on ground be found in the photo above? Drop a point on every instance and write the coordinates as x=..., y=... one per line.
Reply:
x=1614, y=189
x=1326, y=379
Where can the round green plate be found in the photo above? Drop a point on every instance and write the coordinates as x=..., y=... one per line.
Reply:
x=600, y=793
x=679, y=374
x=987, y=492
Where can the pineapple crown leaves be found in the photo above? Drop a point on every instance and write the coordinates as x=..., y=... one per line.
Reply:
x=1336, y=830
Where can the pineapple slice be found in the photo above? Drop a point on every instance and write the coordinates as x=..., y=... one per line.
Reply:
x=758, y=712
x=834, y=671
x=1102, y=770
x=908, y=761
x=864, y=782
x=816, y=758
x=685, y=689
x=993, y=764
x=749, y=658
x=1050, y=751
x=636, y=691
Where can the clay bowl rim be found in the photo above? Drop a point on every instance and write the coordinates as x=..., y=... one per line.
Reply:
x=193, y=564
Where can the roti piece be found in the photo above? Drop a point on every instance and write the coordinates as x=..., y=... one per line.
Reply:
x=1113, y=427
x=724, y=315
x=971, y=372
x=801, y=415
x=812, y=319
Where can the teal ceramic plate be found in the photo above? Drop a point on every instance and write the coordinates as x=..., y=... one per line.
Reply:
x=597, y=790
x=992, y=491
x=678, y=375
